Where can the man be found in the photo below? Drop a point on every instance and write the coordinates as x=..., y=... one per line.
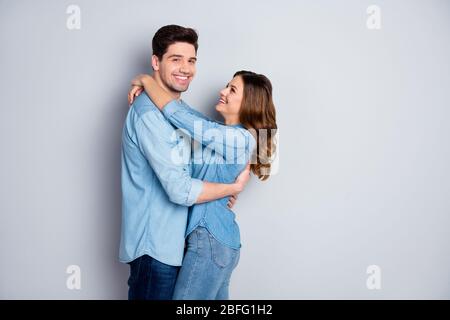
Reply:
x=156, y=190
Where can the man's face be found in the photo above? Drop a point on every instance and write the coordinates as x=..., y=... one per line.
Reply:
x=176, y=69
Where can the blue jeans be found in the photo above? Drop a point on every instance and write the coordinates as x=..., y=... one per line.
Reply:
x=151, y=279
x=206, y=270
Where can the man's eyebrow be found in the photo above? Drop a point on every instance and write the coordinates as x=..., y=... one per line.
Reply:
x=180, y=56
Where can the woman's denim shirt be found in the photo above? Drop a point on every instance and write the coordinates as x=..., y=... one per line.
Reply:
x=219, y=153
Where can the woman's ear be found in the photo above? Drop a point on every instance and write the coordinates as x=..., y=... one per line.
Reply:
x=155, y=63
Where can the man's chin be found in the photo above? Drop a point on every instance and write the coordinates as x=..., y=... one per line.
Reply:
x=180, y=89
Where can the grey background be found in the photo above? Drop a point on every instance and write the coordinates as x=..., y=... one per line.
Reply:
x=364, y=143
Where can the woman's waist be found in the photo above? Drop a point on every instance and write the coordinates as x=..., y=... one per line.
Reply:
x=216, y=212
x=218, y=207
x=220, y=224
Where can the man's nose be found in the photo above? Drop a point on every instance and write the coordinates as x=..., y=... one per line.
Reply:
x=184, y=68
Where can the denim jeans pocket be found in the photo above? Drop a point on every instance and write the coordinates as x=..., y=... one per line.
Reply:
x=222, y=255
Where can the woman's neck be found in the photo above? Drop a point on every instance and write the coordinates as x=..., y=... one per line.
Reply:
x=230, y=121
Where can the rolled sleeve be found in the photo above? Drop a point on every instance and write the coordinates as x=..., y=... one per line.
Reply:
x=154, y=136
x=196, y=189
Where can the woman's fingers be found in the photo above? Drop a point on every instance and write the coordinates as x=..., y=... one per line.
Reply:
x=231, y=201
x=130, y=96
x=134, y=92
x=136, y=87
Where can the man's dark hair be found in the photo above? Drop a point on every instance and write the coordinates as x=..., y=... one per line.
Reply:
x=170, y=34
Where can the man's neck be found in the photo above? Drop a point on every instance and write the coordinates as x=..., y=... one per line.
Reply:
x=175, y=95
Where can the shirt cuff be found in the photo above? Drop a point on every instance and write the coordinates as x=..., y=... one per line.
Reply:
x=170, y=108
x=196, y=189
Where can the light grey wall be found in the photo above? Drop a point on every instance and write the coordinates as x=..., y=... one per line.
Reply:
x=364, y=174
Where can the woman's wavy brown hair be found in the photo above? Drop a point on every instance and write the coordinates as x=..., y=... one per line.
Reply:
x=257, y=114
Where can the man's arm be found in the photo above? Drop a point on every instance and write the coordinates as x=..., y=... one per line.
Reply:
x=212, y=191
x=155, y=141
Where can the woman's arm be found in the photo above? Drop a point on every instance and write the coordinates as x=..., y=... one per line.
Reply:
x=209, y=133
x=157, y=94
x=233, y=143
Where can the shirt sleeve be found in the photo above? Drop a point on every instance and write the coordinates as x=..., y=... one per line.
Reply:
x=231, y=142
x=157, y=141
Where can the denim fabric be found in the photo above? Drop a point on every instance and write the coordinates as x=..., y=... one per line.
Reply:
x=219, y=154
x=151, y=279
x=206, y=270
x=156, y=190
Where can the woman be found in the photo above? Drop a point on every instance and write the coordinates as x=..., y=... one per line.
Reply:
x=213, y=239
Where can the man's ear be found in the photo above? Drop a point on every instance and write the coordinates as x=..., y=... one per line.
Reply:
x=155, y=63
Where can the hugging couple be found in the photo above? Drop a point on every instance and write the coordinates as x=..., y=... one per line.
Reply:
x=179, y=235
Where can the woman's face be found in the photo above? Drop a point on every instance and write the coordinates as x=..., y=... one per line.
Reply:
x=231, y=98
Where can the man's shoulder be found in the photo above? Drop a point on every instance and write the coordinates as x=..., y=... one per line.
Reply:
x=142, y=105
x=143, y=114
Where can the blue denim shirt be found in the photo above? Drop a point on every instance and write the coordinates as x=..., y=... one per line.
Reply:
x=220, y=154
x=156, y=190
